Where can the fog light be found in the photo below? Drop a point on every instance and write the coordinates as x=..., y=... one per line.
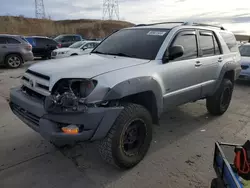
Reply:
x=71, y=129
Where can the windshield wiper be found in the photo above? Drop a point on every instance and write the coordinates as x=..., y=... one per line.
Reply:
x=120, y=54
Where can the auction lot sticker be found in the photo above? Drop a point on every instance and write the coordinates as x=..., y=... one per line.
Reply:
x=156, y=33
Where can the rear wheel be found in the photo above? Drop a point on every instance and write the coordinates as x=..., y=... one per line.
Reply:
x=13, y=61
x=220, y=101
x=129, y=138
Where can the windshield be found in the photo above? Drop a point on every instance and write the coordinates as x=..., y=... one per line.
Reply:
x=245, y=50
x=137, y=43
x=77, y=44
x=58, y=38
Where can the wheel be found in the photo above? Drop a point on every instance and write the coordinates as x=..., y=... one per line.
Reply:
x=220, y=101
x=214, y=183
x=129, y=139
x=73, y=54
x=13, y=61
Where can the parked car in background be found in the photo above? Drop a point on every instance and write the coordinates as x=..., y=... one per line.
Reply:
x=42, y=46
x=245, y=62
x=67, y=40
x=78, y=48
x=14, y=51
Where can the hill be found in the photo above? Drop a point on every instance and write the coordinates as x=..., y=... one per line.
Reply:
x=44, y=27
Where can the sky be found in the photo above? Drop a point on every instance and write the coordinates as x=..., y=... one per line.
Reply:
x=234, y=15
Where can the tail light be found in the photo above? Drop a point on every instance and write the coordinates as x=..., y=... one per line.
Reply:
x=29, y=47
x=59, y=45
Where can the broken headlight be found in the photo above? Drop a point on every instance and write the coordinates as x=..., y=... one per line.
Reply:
x=69, y=95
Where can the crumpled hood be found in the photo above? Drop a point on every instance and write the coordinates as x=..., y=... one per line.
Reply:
x=87, y=66
x=245, y=60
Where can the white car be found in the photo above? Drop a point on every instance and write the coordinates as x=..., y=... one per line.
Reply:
x=78, y=48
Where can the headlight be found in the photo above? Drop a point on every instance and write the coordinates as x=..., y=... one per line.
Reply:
x=63, y=52
x=69, y=94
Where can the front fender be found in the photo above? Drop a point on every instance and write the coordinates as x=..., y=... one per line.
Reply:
x=135, y=86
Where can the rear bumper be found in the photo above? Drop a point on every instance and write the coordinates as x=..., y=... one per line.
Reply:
x=95, y=122
x=28, y=56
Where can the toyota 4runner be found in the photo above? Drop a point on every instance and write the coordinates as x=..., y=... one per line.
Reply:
x=117, y=92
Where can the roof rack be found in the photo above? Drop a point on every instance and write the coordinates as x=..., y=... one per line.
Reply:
x=202, y=24
x=182, y=23
x=159, y=23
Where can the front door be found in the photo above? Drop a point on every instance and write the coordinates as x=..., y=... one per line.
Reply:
x=210, y=60
x=181, y=76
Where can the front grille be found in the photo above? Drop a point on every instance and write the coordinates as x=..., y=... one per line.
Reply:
x=244, y=67
x=33, y=93
x=25, y=114
x=38, y=75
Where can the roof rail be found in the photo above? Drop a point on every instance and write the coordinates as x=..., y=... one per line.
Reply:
x=202, y=24
x=181, y=23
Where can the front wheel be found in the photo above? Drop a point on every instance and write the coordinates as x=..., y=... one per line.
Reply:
x=129, y=139
x=220, y=101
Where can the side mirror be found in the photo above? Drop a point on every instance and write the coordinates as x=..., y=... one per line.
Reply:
x=84, y=48
x=175, y=52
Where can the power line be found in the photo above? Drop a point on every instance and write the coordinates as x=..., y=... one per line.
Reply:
x=40, y=10
x=110, y=10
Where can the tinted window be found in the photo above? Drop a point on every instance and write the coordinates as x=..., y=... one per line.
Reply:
x=230, y=40
x=189, y=43
x=31, y=40
x=68, y=38
x=245, y=50
x=138, y=43
x=40, y=42
x=3, y=40
x=207, y=44
x=12, y=41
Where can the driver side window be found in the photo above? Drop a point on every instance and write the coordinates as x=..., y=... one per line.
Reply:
x=188, y=40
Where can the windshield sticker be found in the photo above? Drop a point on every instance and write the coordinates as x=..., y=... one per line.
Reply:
x=156, y=33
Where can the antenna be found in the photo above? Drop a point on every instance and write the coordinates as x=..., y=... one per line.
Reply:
x=40, y=10
x=110, y=10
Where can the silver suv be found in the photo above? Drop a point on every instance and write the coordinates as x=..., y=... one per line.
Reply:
x=14, y=51
x=129, y=80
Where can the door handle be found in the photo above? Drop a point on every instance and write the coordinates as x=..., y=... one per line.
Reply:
x=198, y=64
x=220, y=59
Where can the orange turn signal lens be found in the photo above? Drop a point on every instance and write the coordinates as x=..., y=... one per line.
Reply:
x=71, y=129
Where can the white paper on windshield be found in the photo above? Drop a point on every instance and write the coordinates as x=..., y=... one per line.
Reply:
x=156, y=33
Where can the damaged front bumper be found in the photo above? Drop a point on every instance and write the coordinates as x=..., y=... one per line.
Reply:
x=95, y=122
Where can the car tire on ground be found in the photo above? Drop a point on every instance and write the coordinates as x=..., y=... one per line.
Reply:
x=129, y=139
x=73, y=54
x=13, y=61
x=214, y=183
x=220, y=101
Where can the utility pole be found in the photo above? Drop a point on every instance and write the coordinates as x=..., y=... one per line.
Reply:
x=110, y=10
x=40, y=10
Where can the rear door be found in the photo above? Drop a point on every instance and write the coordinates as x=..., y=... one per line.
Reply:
x=3, y=48
x=67, y=41
x=40, y=49
x=209, y=59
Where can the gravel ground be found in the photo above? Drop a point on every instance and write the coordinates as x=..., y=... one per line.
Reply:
x=180, y=154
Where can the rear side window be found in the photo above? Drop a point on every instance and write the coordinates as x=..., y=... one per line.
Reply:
x=77, y=38
x=12, y=41
x=3, y=40
x=230, y=40
x=208, y=44
x=189, y=43
x=40, y=42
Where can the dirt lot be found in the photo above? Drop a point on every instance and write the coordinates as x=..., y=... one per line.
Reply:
x=180, y=154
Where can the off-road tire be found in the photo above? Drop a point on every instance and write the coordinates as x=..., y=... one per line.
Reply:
x=214, y=104
x=13, y=57
x=111, y=148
